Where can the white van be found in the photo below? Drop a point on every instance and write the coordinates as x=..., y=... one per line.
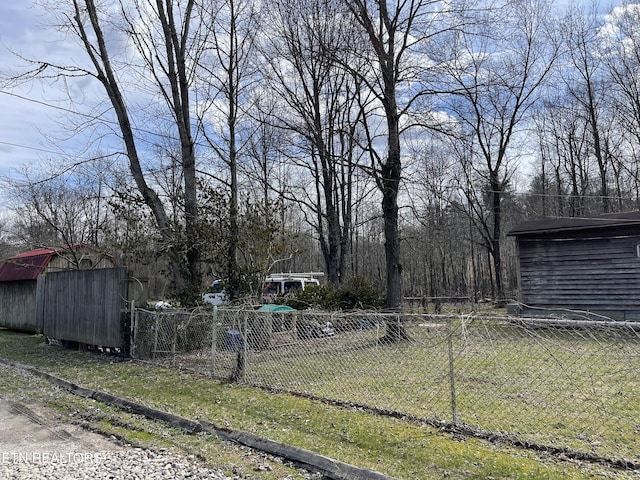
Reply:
x=279, y=284
x=216, y=294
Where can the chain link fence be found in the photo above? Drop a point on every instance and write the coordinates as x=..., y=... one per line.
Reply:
x=558, y=384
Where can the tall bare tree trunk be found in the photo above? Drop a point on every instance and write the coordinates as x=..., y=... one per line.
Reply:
x=176, y=51
x=388, y=31
x=390, y=181
x=101, y=60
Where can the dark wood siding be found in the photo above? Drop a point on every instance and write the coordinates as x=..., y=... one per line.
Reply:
x=85, y=305
x=595, y=274
x=18, y=306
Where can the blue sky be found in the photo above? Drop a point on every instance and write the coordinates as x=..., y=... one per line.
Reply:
x=29, y=113
x=24, y=123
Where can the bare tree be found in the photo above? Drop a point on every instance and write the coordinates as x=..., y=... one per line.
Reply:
x=587, y=85
x=265, y=152
x=227, y=74
x=393, y=67
x=170, y=58
x=161, y=33
x=441, y=259
x=64, y=209
x=620, y=49
x=583, y=148
x=496, y=71
x=319, y=109
x=564, y=180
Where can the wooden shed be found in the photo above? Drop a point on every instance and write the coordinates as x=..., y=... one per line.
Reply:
x=580, y=267
x=19, y=280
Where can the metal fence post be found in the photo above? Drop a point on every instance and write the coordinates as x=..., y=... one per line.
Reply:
x=174, y=339
x=214, y=339
x=294, y=325
x=245, y=347
x=155, y=337
x=452, y=380
x=132, y=333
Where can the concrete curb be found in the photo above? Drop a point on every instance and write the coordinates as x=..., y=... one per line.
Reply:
x=306, y=459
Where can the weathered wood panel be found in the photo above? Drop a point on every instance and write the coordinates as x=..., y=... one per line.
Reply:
x=589, y=274
x=85, y=306
x=79, y=259
x=18, y=306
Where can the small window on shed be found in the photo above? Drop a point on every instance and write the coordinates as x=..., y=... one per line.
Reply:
x=638, y=250
x=86, y=264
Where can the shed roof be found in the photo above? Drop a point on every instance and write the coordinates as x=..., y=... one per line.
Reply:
x=29, y=265
x=26, y=266
x=569, y=224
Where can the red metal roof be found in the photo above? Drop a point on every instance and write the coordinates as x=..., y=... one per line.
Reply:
x=27, y=265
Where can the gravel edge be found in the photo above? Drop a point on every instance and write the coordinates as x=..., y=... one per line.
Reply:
x=308, y=460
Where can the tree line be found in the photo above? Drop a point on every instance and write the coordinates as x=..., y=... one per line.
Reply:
x=392, y=141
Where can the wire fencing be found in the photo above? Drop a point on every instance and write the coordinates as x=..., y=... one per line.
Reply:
x=559, y=384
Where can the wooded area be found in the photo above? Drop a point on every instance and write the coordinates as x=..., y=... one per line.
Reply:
x=394, y=141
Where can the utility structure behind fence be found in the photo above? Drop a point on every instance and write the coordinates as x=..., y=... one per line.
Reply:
x=561, y=384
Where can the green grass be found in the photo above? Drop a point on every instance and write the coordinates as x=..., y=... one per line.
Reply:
x=395, y=447
x=138, y=431
x=558, y=388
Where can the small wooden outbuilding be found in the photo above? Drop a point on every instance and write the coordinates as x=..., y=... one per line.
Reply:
x=580, y=267
x=19, y=280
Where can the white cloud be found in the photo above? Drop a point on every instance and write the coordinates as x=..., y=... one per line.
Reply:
x=24, y=112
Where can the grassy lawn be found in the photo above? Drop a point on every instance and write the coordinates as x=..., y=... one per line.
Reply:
x=559, y=388
x=397, y=448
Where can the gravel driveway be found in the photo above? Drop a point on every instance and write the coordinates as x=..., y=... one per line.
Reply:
x=33, y=448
